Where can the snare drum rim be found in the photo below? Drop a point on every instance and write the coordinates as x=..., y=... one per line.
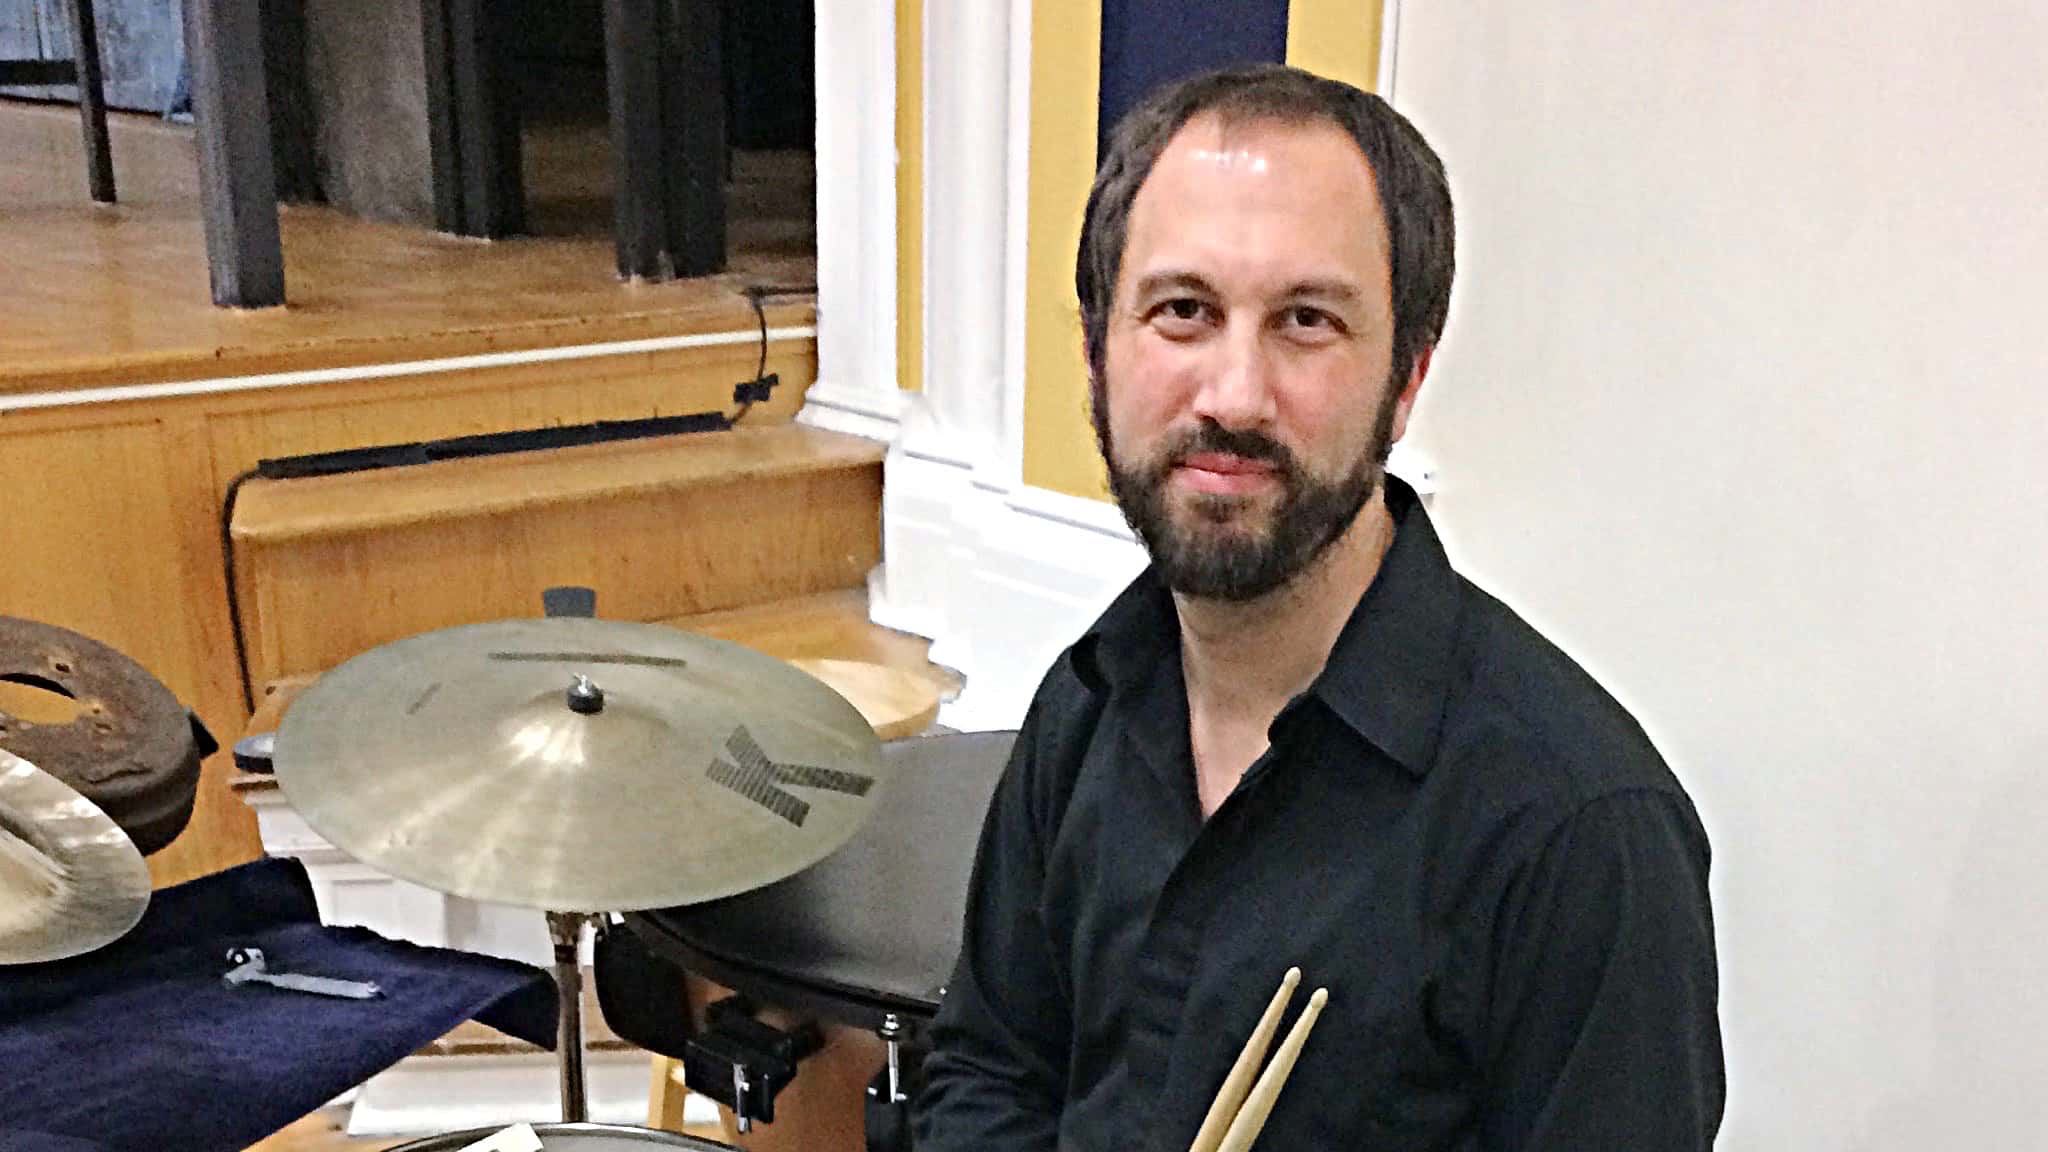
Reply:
x=452, y=1141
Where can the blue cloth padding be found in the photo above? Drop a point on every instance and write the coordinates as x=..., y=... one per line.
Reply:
x=1146, y=43
x=140, y=1045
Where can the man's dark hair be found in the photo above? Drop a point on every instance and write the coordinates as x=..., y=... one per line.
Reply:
x=1414, y=196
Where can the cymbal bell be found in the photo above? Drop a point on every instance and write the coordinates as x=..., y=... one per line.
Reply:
x=70, y=879
x=578, y=765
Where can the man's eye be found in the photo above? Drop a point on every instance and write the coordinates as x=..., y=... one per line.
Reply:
x=1183, y=309
x=1310, y=318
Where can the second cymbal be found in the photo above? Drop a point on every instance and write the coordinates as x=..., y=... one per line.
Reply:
x=70, y=879
x=578, y=765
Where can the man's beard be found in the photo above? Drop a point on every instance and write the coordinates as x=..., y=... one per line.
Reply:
x=1204, y=554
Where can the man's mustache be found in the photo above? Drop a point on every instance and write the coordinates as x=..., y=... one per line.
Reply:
x=1210, y=437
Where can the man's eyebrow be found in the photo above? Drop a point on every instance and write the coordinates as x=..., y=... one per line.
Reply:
x=1171, y=279
x=1336, y=291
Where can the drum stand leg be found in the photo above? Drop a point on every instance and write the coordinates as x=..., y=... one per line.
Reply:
x=566, y=929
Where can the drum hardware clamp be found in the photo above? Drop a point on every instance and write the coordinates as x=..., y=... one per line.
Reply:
x=744, y=1063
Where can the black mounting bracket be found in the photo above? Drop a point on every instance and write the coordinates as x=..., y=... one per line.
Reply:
x=743, y=1063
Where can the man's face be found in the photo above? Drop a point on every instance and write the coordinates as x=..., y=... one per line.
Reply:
x=1246, y=402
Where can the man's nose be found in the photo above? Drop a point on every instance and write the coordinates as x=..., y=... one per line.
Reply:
x=1237, y=389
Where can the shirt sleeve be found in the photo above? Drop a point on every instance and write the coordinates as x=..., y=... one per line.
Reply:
x=995, y=1080
x=1603, y=1025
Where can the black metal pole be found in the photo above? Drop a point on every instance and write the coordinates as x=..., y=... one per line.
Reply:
x=566, y=929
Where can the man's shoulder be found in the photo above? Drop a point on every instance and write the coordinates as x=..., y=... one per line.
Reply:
x=1535, y=722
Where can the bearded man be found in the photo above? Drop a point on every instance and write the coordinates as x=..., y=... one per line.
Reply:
x=1300, y=738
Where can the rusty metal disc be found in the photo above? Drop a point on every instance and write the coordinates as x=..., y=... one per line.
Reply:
x=132, y=750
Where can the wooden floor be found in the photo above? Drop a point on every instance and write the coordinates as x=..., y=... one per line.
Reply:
x=323, y=1131
x=99, y=295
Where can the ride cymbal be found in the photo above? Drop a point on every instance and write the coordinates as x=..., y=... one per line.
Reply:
x=578, y=765
x=70, y=879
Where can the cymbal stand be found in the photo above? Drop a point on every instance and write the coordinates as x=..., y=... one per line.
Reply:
x=566, y=930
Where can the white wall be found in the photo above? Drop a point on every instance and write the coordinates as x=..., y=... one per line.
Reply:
x=1742, y=401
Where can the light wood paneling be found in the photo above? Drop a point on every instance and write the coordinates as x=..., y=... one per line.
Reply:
x=96, y=543
x=333, y=566
x=274, y=512
x=77, y=492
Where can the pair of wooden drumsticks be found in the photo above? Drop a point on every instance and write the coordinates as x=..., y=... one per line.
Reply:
x=1241, y=1107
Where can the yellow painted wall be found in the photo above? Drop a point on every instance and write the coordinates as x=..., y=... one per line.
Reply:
x=1338, y=38
x=1066, y=74
x=910, y=194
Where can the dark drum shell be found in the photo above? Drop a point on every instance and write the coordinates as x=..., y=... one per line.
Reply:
x=869, y=934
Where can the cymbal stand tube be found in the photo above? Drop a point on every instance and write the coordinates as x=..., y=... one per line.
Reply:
x=566, y=929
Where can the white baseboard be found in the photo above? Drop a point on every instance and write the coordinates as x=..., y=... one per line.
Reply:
x=855, y=411
x=1001, y=582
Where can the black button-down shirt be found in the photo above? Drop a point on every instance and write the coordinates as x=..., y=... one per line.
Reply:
x=1454, y=830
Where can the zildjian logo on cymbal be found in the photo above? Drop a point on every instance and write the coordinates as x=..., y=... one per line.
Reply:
x=757, y=778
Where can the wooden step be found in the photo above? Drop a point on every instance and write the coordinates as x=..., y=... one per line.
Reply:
x=329, y=567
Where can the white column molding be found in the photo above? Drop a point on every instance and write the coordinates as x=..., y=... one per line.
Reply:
x=856, y=389
x=1016, y=243
x=965, y=179
x=1000, y=576
x=1390, y=56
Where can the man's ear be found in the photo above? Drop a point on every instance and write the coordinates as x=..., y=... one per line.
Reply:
x=1097, y=395
x=1409, y=390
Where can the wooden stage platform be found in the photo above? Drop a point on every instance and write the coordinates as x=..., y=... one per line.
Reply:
x=99, y=296
x=129, y=402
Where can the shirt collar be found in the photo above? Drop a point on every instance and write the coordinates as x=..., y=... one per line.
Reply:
x=1388, y=674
